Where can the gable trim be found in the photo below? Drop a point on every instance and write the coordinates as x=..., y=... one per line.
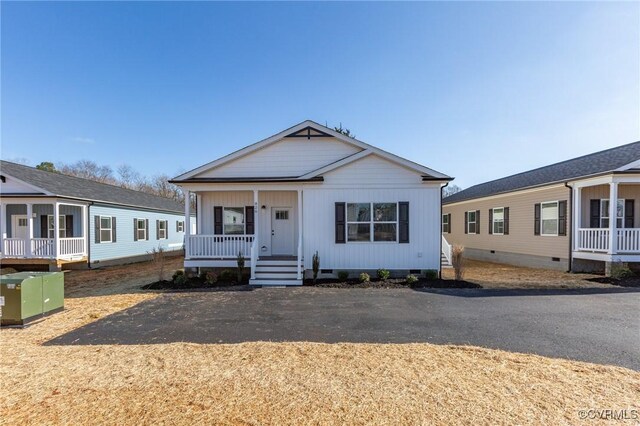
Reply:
x=27, y=184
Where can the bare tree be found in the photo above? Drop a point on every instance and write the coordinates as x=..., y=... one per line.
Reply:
x=88, y=169
x=128, y=177
x=344, y=131
x=450, y=190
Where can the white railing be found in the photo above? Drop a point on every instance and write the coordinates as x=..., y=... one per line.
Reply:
x=629, y=240
x=218, y=246
x=43, y=247
x=299, y=263
x=72, y=246
x=593, y=239
x=254, y=258
x=14, y=247
x=446, y=249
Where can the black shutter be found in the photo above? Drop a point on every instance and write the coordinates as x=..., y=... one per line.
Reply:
x=68, y=224
x=44, y=226
x=217, y=220
x=449, y=225
x=490, y=221
x=477, y=221
x=536, y=219
x=506, y=221
x=629, y=213
x=562, y=217
x=146, y=228
x=135, y=229
x=466, y=222
x=340, y=223
x=157, y=229
x=96, y=223
x=249, y=220
x=166, y=229
x=177, y=226
x=113, y=229
x=594, y=221
x=403, y=222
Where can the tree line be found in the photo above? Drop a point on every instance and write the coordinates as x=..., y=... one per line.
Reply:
x=123, y=176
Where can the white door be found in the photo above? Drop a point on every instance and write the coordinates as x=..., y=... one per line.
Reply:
x=19, y=227
x=281, y=231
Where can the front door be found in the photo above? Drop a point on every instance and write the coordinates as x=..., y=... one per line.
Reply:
x=281, y=231
x=19, y=226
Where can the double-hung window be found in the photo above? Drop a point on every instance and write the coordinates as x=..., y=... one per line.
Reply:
x=141, y=229
x=368, y=222
x=549, y=218
x=106, y=230
x=498, y=221
x=62, y=226
x=233, y=220
x=162, y=229
x=180, y=226
x=445, y=224
x=472, y=222
x=604, y=213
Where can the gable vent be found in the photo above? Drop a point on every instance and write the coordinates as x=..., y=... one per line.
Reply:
x=309, y=132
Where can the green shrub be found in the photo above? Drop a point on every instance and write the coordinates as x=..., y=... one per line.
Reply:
x=383, y=274
x=316, y=266
x=226, y=276
x=179, y=278
x=431, y=274
x=343, y=275
x=621, y=271
x=364, y=277
x=411, y=279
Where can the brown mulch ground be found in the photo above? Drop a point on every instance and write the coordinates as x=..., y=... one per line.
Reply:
x=390, y=283
x=280, y=383
x=496, y=275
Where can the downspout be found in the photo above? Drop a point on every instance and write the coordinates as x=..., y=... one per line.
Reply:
x=440, y=239
x=572, y=225
x=88, y=236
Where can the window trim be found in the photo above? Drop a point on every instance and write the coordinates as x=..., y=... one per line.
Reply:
x=110, y=228
x=52, y=231
x=180, y=226
x=557, y=204
x=144, y=228
x=494, y=221
x=448, y=225
x=166, y=228
x=372, y=222
x=475, y=222
x=244, y=220
x=621, y=218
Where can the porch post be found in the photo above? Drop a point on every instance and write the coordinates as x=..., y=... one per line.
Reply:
x=187, y=222
x=577, y=217
x=255, y=252
x=613, y=217
x=28, y=247
x=299, y=264
x=56, y=229
x=84, y=218
x=3, y=227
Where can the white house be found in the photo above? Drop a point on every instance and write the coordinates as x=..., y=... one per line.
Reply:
x=311, y=189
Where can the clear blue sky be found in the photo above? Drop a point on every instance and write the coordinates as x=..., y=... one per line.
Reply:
x=475, y=90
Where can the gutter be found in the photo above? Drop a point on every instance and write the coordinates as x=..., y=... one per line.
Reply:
x=441, y=193
x=566, y=184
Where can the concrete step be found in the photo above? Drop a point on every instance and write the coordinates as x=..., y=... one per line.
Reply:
x=275, y=282
x=276, y=268
x=276, y=275
x=276, y=262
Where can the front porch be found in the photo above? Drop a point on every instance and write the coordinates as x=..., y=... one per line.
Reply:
x=263, y=225
x=29, y=231
x=598, y=237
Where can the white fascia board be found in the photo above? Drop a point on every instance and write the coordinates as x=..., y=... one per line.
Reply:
x=633, y=165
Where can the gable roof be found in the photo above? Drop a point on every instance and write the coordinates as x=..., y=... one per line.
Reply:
x=57, y=184
x=620, y=158
x=311, y=129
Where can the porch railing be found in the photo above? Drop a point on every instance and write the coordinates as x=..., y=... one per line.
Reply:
x=629, y=240
x=593, y=239
x=446, y=249
x=218, y=246
x=14, y=247
x=72, y=246
x=43, y=247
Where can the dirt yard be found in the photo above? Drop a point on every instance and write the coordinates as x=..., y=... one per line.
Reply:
x=496, y=275
x=273, y=383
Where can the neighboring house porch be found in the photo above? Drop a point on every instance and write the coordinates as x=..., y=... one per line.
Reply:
x=29, y=231
x=596, y=235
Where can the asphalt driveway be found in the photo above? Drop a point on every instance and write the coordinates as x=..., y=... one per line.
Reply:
x=596, y=326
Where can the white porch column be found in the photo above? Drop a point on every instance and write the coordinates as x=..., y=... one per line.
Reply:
x=187, y=222
x=577, y=217
x=84, y=218
x=28, y=244
x=299, y=264
x=255, y=253
x=56, y=229
x=198, y=216
x=613, y=216
x=3, y=226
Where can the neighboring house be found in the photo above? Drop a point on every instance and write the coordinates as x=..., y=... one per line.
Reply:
x=555, y=217
x=98, y=224
x=311, y=189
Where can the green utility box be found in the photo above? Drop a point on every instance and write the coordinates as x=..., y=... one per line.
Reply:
x=30, y=295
